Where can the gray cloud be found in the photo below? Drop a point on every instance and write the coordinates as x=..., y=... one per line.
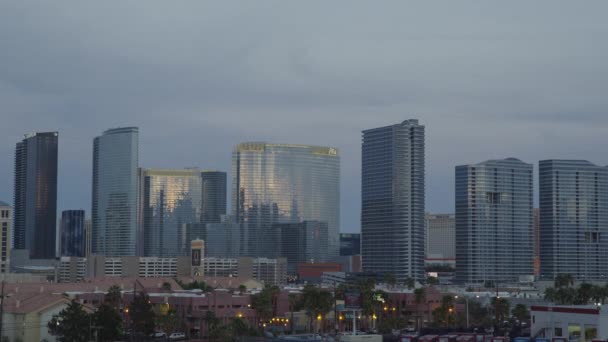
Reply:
x=489, y=80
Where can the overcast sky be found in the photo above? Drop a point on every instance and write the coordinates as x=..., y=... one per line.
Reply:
x=525, y=79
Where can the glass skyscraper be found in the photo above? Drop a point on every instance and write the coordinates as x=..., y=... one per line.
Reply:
x=494, y=240
x=284, y=183
x=114, y=202
x=302, y=242
x=169, y=200
x=573, y=219
x=35, y=212
x=73, y=235
x=392, y=200
x=213, y=196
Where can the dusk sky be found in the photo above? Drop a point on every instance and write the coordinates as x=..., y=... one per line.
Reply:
x=488, y=79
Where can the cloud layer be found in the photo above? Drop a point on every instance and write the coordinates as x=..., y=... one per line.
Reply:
x=488, y=79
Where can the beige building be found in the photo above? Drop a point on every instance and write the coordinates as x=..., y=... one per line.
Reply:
x=5, y=243
x=440, y=236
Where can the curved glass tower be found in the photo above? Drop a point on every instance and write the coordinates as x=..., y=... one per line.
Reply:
x=284, y=183
x=114, y=203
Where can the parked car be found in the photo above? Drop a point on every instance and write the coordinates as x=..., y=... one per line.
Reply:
x=177, y=336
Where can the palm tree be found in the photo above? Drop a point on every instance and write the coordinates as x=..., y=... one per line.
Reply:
x=564, y=280
x=419, y=298
x=293, y=302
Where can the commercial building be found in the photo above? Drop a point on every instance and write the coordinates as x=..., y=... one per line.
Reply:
x=392, y=200
x=584, y=323
x=494, y=239
x=222, y=239
x=73, y=234
x=71, y=269
x=284, y=183
x=302, y=242
x=440, y=236
x=573, y=201
x=114, y=200
x=350, y=244
x=168, y=200
x=35, y=211
x=266, y=270
x=5, y=243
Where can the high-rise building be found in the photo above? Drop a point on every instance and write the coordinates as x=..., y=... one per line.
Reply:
x=536, y=230
x=169, y=199
x=494, y=221
x=223, y=239
x=73, y=234
x=573, y=219
x=350, y=244
x=392, y=194
x=440, y=236
x=35, y=212
x=213, y=196
x=87, y=234
x=5, y=244
x=304, y=242
x=114, y=203
x=284, y=183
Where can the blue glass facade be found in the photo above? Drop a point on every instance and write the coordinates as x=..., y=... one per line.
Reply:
x=35, y=213
x=73, y=235
x=284, y=183
x=114, y=203
x=494, y=219
x=573, y=219
x=392, y=200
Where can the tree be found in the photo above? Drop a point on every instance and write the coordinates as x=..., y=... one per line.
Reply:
x=520, y=312
x=71, y=324
x=242, y=289
x=390, y=279
x=168, y=322
x=500, y=307
x=419, y=298
x=166, y=286
x=212, y=323
x=584, y=293
x=444, y=314
x=107, y=322
x=317, y=302
x=410, y=283
x=114, y=296
x=564, y=280
x=142, y=316
x=432, y=280
x=262, y=303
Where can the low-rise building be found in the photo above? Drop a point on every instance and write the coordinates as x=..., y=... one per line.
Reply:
x=574, y=323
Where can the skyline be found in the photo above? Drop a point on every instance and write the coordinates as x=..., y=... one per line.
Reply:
x=488, y=81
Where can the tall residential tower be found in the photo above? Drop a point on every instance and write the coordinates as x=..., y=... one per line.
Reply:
x=392, y=206
x=35, y=212
x=114, y=203
x=494, y=241
x=573, y=219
